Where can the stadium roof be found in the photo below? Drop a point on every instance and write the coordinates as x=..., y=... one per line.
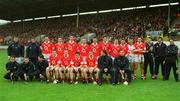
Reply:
x=24, y=9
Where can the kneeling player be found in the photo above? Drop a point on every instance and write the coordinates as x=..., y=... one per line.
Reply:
x=12, y=67
x=92, y=67
x=53, y=67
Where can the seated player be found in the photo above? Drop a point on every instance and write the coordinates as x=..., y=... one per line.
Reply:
x=66, y=70
x=12, y=66
x=105, y=65
x=121, y=63
x=54, y=64
x=76, y=65
x=92, y=67
x=40, y=70
x=27, y=70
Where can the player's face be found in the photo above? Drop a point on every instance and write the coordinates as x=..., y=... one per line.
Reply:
x=104, y=39
x=139, y=40
x=102, y=53
x=171, y=42
x=116, y=41
x=46, y=39
x=16, y=39
x=131, y=41
x=123, y=41
x=33, y=40
x=65, y=52
x=60, y=40
x=83, y=41
x=149, y=40
x=159, y=40
x=94, y=40
x=26, y=60
x=12, y=59
x=71, y=38
x=54, y=53
x=121, y=53
x=77, y=55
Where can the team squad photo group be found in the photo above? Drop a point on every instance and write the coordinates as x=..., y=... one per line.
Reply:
x=115, y=62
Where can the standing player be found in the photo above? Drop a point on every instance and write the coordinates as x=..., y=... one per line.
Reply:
x=105, y=45
x=76, y=65
x=66, y=67
x=139, y=57
x=54, y=64
x=17, y=50
x=95, y=47
x=159, y=53
x=46, y=48
x=60, y=47
x=92, y=67
x=131, y=55
x=71, y=46
x=115, y=48
x=123, y=47
x=83, y=48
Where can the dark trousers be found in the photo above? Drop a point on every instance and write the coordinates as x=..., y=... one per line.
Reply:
x=38, y=72
x=14, y=76
x=168, y=66
x=33, y=60
x=148, y=60
x=159, y=61
x=111, y=71
x=127, y=74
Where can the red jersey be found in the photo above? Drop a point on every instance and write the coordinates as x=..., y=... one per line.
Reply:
x=96, y=49
x=124, y=48
x=54, y=61
x=115, y=49
x=72, y=47
x=60, y=47
x=105, y=46
x=76, y=62
x=46, y=47
x=65, y=60
x=140, y=46
x=91, y=61
x=84, y=50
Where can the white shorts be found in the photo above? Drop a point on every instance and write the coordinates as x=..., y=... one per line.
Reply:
x=46, y=56
x=131, y=57
x=139, y=58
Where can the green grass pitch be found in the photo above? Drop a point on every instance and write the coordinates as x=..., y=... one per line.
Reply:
x=149, y=90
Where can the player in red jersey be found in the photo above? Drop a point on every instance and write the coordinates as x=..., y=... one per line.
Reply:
x=76, y=65
x=123, y=46
x=83, y=48
x=54, y=64
x=115, y=49
x=105, y=45
x=139, y=57
x=60, y=47
x=66, y=67
x=46, y=48
x=72, y=46
x=92, y=68
x=95, y=47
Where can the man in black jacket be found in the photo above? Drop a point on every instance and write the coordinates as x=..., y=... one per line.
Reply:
x=16, y=50
x=171, y=61
x=40, y=67
x=32, y=51
x=27, y=70
x=159, y=52
x=12, y=67
x=105, y=65
x=121, y=63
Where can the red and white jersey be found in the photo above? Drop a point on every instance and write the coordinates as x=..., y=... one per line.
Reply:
x=60, y=47
x=76, y=62
x=96, y=49
x=105, y=46
x=91, y=61
x=72, y=47
x=84, y=50
x=65, y=60
x=115, y=49
x=54, y=60
x=46, y=47
x=124, y=48
x=139, y=46
x=131, y=48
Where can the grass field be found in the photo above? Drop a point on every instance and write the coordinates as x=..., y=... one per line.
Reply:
x=149, y=90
